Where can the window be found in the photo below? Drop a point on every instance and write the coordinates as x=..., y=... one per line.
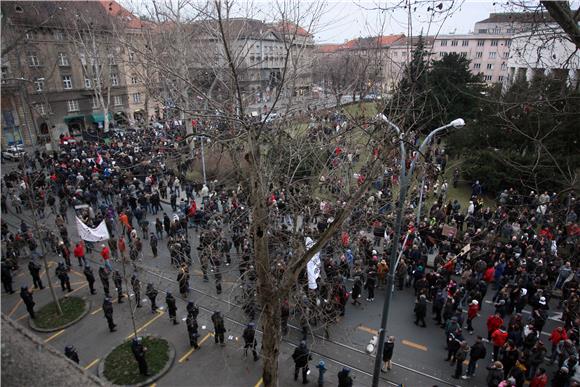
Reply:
x=492, y=55
x=442, y=54
x=83, y=58
x=30, y=35
x=487, y=77
x=506, y=55
x=41, y=108
x=114, y=80
x=508, y=43
x=503, y=66
x=496, y=30
x=88, y=83
x=58, y=35
x=494, y=43
x=94, y=102
x=500, y=78
x=511, y=30
x=482, y=31
x=63, y=59
x=480, y=43
x=479, y=54
x=444, y=43
x=112, y=61
x=463, y=54
x=490, y=66
x=39, y=84
x=118, y=100
x=465, y=43
x=5, y=73
x=136, y=97
x=67, y=82
x=477, y=66
x=73, y=105
x=454, y=43
x=131, y=56
x=33, y=60
x=134, y=79
x=396, y=54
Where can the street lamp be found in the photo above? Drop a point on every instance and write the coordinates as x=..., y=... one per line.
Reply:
x=404, y=180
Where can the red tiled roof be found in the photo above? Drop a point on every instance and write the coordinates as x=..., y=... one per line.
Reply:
x=328, y=48
x=286, y=27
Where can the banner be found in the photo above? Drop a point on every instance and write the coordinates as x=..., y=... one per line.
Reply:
x=92, y=234
x=313, y=266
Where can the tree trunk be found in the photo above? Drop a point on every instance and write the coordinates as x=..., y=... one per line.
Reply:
x=270, y=341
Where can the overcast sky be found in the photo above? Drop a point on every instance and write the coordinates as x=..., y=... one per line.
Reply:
x=350, y=19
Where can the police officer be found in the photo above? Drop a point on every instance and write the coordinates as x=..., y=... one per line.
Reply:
x=139, y=353
x=191, y=323
x=104, y=276
x=151, y=292
x=219, y=327
x=301, y=356
x=250, y=341
x=136, y=285
x=71, y=353
x=118, y=282
x=26, y=296
x=62, y=274
x=108, y=310
x=88, y=272
x=171, y=308
x=7, y=278
x=192, y=309
x=34, y=269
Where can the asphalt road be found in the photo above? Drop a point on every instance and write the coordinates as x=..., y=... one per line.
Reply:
x=419, y=352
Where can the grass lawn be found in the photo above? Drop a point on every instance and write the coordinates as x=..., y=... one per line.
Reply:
x=122, y=368
x=47, y=317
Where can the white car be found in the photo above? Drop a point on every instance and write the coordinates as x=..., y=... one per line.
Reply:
x=13, y=152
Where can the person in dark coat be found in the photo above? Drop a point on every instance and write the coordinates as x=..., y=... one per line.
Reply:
x=108, y=311
x=139, y=352
x=88, y=272
x=344, y=378
x=388, y=349
x=183, y=280
x=301, y=356
x=250, y=341
x=28, y=299
x=356, y=290
x=136, y=285
x=118, y=282
x=71, y=353
x=104, y=276
x=62, y=274
x=192, y=309
x=151, y=292
x=7, y=278
x=153, y=243
x=421, y=310
x=191, y=323
x=370, y=285
x=34, y=269
x=219, y=327
x=171, y=308
x=477, y=353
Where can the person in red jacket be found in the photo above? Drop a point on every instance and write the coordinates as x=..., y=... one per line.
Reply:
x=540, y=380
x=498, y=339
x=558, y=334
x=493, y=322
x=471, y=314
x=106, y=254
x=79, y=252
x=489, y=274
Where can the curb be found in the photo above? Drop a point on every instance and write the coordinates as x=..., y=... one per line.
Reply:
x=147, y=382
x=33, y=326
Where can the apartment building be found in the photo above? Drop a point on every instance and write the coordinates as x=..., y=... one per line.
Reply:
x=488, y=47
x=55, y=56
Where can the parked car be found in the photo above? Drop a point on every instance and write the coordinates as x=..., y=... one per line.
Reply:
x=13, y=152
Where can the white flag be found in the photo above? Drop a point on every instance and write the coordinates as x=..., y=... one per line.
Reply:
x=313, y=266
x=92, y=234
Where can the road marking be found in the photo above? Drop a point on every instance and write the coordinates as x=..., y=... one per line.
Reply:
x=188, y=353
x=153, y=385
x=77, y=273
x=22, y=317
x=55, y=335
x=92, y=363
x=414, y=345
x=260, y=382
x=368, y=330
x=77, y=283
x=159, y=314
x=77, y=289
x=15, y=308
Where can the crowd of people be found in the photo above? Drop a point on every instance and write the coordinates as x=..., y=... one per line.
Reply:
x=523, y=250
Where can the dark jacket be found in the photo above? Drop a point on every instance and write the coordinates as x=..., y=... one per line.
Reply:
x=478, y=351
x=301, y=356
x=344, y=379
x=388, y=351
x=170, y=301
x=108, y=308
x=218, y=323
x=27, y=297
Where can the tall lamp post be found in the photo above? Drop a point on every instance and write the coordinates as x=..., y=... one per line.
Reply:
x=404, y=180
